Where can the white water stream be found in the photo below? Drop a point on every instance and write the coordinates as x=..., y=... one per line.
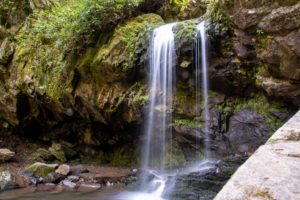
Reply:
x=201, y=65
x=155, y=179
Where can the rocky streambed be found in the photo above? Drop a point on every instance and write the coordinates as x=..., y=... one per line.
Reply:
x=78, y=181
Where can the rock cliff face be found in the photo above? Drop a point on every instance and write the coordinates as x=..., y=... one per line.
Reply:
x=77, y=72
x=273, y=30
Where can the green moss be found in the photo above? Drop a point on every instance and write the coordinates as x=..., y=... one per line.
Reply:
x=122, y=157
x=40, y=169
x=263, y=71
x=260, y=104
x=187, y=122
x=121, y=52
x=185, y=32
x=215, y=13
x=10, y=8
x=51, y=40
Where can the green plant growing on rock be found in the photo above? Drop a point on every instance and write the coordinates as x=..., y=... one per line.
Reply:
x=187, y=122
x=260, y=104
x=182, y=3
x=51, y=40
x=215, y=13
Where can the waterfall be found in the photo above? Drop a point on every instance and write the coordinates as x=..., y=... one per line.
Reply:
x=201, y=65
x=159, y=114
x=157, y=183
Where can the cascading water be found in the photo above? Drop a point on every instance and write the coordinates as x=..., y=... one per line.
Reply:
x=156, y=181
x=158, y=131
x=201, y=65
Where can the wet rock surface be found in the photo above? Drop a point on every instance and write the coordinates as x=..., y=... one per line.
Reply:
x=207, y=183
x=6, y=154
x=281, y=154
x=7, y=181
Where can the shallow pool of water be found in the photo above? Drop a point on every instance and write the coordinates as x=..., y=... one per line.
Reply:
x=200, y=181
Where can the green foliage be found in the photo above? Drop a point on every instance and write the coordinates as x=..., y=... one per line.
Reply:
x=122, y=157
x=260, y=32
x=182, y=3
x=187, y=122
x=10, y=8
x=260, y=104
x=51, y=39
x=185, y=33
x=215, y=13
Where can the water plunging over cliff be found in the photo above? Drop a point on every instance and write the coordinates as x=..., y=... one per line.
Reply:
x=159, y=114
x=201, y=64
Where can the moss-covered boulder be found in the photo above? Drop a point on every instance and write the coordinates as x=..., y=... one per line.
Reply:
x=40, y=169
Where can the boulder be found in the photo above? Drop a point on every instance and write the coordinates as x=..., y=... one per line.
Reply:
x=6, y=154
x=40, y=169
x=6, y=180
x=281, y=89
x=63, y=169
x=247, y=131
x=57, y=151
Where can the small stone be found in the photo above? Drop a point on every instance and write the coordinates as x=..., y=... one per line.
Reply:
x=88, y=187
x=41, y=169
x=6, y=154
x=69, y=112
x=63, y=169
x=185, y=64
x=73, y=178
x=6, y=180
x=52, y=178
x=69, y=184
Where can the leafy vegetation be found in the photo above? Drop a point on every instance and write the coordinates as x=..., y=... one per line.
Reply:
x=215, y=13
x=10, y=8
x=259, y=103
x=182, y=3
x=51, y=39
x=187, y=122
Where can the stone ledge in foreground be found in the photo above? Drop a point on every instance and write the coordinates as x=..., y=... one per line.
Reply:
x=272, y=172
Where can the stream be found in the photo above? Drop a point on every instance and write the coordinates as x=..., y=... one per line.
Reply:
x=199, y=181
